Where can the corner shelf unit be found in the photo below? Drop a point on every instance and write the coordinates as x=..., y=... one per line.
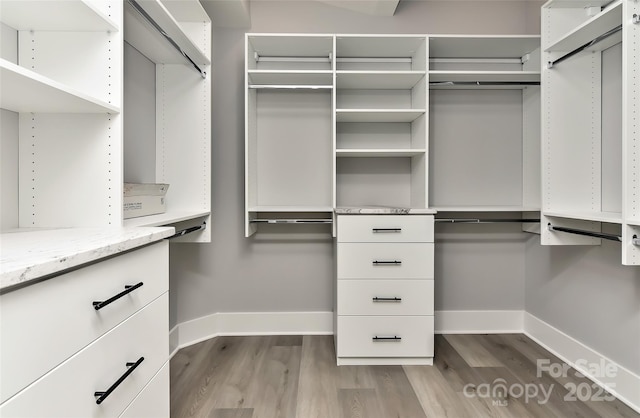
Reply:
x=590, y=170
x=484, y=134
x=183, y=109
x=356, y=118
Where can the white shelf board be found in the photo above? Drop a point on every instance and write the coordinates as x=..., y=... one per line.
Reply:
x=378, y=115
x=26, y=91
x=146, y=39
x=277, y=45
x=486, y=208
x=52, y=15
x=575, y=3
x=166, y=218
x=466, y=46
x=379, y=152
x=609, y=217
x=398, y=80
x=383, y=46
x=299, y=209
x=633, y=222
x=497, y=76
x=591, y=29
x=290, y=77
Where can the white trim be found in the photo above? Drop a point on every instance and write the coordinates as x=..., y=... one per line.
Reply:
x=252, y=323
x=568, y=349
x=478, y=322
x=385, y=361
x=174, y=341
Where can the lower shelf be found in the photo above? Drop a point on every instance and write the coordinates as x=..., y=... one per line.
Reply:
x=167, y=218
x=609, y=217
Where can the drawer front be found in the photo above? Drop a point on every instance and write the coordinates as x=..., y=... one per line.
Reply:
x=153, y=401
x=385, y=228
x=373, y=336
x=59, y=314
x=68, y=390
x=385, y=297
x=385, y=261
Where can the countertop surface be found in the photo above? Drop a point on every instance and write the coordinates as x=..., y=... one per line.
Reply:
x=383, y=210
x=29, y=254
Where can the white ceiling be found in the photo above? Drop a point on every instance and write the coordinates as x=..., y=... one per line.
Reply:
x=235, y=13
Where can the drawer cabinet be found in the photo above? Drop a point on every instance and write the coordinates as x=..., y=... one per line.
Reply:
x=66, y=338
x=384, y=289
x=59, y=313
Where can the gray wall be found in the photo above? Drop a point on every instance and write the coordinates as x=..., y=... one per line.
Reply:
x=477, y=267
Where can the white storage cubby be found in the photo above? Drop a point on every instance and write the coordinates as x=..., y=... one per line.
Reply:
x=381, y=120
x=182, y=110
x=484, y=114
x=590, y=136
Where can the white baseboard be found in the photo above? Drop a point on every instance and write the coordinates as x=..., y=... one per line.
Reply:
x=252, y=323
x=623, y=384
x=478, y=322
x=174, y=340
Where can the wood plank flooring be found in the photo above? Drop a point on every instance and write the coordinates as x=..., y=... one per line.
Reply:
x=296, y=377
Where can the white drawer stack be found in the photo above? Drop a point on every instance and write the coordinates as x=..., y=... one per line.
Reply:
x=384, y=293
x=57, y=350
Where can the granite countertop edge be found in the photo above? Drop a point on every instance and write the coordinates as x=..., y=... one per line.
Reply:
x=27, y=255
x=383, y=211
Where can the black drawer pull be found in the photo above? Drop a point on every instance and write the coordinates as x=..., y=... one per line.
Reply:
x=395, y=338
x=386, y=230
x=103, y=395
x=127, y=289
x=377, y=299
x=387, y=263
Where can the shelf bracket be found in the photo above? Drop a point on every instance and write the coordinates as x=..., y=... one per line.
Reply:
x=635, y=19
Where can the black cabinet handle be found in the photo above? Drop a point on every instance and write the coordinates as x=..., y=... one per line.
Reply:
x=387, y=263
x=377, y=299
x=103, y=395
x=383, y=230
x=127, y=289
x=395, y=338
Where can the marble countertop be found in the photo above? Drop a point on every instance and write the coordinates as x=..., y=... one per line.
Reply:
x=29, y=254
x=383, y=210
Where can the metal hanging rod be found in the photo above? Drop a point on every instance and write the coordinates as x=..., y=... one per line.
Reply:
x=290, y=86
x=475, y=60
x=156, y=26
x=376, y=59
x=484, y=221
x=292, y=221
x=610, y=237
x=484, y=83
x=589, y=44
x=259, y=58
x=189, y=230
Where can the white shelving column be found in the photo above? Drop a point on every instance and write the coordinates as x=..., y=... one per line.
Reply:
x=66, y=84
x=183, y=108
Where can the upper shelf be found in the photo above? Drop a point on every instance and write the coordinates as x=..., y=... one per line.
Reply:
x=598, y=25
x=379, y=152
x=54, y=15
x=146, y=39
x=399, y=80
x=464, y=46
x=162, y=219
x=575, y=3
x=378, y=115
x=290, y=77
x=610, y=217
x=26, y=91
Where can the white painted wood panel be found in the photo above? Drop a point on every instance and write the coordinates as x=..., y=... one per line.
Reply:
x=388, y=228
x=153, y=401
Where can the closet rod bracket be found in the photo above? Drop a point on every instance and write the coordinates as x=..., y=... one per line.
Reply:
x=635, y=19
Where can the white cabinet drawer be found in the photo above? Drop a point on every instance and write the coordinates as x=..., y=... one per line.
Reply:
x=153, y=401
x=385, y=261
x=385, y=297
x=68, y=390
x=44, y=324
x=380, y=336
x=385, y=228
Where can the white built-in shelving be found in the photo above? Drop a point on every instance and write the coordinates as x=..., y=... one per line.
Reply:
x=73, y=16
x=590, y=170
x=484, y=113
x=378, y=115
x=183, y=108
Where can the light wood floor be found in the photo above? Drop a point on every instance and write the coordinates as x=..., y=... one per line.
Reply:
x=295, y=376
